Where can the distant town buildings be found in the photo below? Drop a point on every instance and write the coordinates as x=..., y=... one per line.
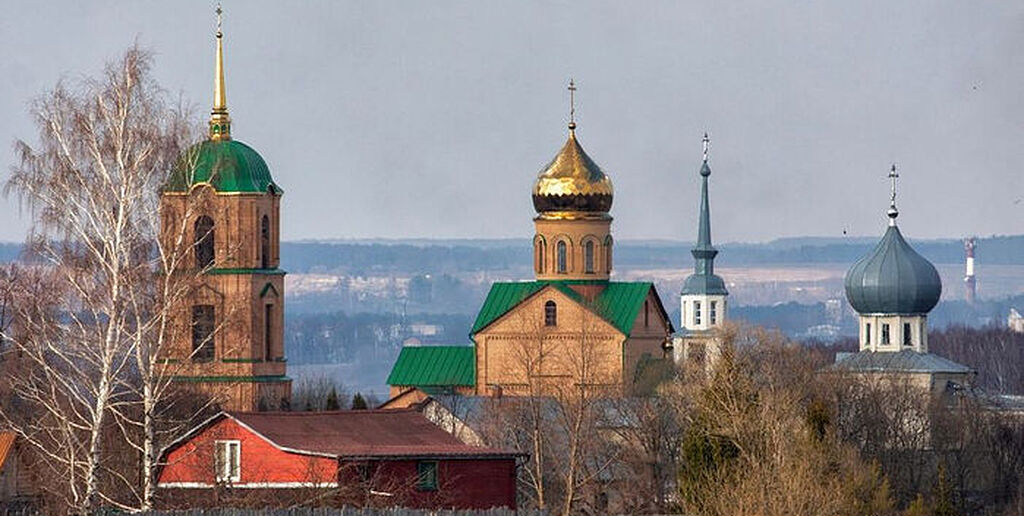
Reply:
x=1015, y=321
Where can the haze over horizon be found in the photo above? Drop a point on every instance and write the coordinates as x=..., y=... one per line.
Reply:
x=431, y=120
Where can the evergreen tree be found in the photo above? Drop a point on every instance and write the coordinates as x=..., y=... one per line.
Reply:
x=332, y=400
x=943, y=495
x=358, y=402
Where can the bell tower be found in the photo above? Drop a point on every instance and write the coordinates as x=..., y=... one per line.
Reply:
x=702, y=302
x=223, y=204
x=572, y=197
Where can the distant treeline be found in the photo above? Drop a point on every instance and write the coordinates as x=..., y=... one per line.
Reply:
x=441, y=256
x=466, y=256
x=9, y=252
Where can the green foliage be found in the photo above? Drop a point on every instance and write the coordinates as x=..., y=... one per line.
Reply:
x=332, y=400
x=704, y=459
x=358, y=402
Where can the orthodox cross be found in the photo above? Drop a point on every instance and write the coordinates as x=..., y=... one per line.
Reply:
x=219, y=12
x=572, y=104
x=706, y=141
x=893, y=212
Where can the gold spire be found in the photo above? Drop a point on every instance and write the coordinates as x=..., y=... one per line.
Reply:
x=220, y=122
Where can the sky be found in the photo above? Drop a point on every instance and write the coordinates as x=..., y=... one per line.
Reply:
x=432, y=119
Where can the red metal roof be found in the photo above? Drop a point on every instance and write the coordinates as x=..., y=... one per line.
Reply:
x=360, y=433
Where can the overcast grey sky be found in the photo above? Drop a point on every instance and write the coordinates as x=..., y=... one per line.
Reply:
x=431, y=119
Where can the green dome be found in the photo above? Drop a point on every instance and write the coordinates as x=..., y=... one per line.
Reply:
x=226, y=165
x=893, y=279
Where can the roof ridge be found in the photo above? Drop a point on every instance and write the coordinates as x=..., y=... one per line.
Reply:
x=301, y=413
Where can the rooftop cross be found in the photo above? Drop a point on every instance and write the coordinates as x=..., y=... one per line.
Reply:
x=707, y=141
x=220, y=122
x=572, y=105
x=219, y=12
x=893, y=212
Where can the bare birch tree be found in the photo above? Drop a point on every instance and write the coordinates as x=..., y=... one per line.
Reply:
x=89, y=342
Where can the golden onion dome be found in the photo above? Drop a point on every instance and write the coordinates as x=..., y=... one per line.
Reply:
x=572, y=182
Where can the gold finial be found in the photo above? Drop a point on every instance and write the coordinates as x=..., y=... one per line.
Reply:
x=893, y=212
x=707, y=142
x=220, y=122
x=572, y=105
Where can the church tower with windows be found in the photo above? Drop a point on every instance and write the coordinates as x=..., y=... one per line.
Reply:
x=572, y=196
x=703, y=298
x=221, y=205
x=572, y=327
x=893, y=288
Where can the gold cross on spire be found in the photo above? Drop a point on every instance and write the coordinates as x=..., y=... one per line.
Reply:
x=572, y=105
x=707, y=142
x=893, y=212
x=220, y=122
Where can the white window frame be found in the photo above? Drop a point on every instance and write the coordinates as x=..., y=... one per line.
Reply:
x=713, y=313
x=696, y=313
x=227, y=468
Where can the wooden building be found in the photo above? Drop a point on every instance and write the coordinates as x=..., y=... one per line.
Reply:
x=359, y=457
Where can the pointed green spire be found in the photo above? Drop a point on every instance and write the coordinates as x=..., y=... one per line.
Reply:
x=704, y=280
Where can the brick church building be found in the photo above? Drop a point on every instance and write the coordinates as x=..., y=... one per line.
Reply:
x=221, y=201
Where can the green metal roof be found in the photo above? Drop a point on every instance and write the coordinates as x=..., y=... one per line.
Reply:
x=226, y=165
x=434, y=366
x=618, y=303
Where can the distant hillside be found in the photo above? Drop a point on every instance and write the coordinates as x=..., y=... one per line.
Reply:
x=455, y=255
x=483, y=255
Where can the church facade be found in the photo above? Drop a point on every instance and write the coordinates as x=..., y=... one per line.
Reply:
x=221, y=202
x=572, y=325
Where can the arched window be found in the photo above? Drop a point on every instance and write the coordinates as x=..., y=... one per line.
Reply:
x=203, y=241
x=563, y=259
x=538, y=245
x=588, y=257
x=268, y=332
x=550, y=314
x=265, y=243
x=608, y=254
x=204, y=321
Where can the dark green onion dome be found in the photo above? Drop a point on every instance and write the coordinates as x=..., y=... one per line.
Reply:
x=893, y=279
x=229, y=166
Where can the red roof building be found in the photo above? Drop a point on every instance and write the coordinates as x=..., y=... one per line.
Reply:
x=359, y=457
